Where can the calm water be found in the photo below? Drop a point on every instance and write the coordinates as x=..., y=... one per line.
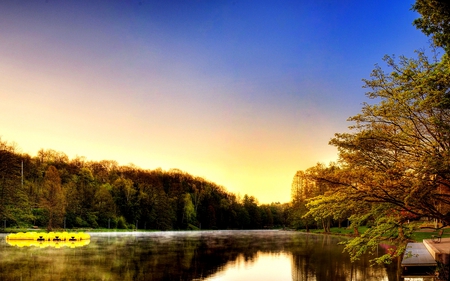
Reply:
x=205, y=255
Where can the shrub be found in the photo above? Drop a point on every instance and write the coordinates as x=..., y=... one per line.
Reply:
x=121, y=223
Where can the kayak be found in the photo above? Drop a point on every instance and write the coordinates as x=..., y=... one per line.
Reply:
x=50, y=236
x=46, y=244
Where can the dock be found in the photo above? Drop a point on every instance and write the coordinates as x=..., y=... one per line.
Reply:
x=439, y=251
x=418, y=263
x=427, y=253
x=417, y=254
x=421, y=259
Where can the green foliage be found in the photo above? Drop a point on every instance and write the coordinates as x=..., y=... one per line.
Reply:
x=92, y=219
x=40, y=216
x=434, y=20
x=79, y=222
x=9, y=180
x=386, y=228
x=251, y=206
x=393, y=163
x=53, y=199
x=188, y=210
x=121, y=223
x=347, y=231
x=104, y=206
x=85, y=194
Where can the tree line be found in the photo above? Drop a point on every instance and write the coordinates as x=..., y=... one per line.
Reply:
x=393, y=164
x=50, y=190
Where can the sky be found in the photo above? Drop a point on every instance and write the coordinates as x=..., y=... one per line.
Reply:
x=241, y=93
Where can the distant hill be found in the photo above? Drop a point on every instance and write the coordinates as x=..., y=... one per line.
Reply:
x=51, y=190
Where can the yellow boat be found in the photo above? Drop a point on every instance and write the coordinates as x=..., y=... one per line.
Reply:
x=45, y=244
x=50, y=236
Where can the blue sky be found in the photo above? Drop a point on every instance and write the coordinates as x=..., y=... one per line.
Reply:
x=241, y=93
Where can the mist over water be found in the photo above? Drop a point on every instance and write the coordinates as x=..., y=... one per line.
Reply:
x=202, y=255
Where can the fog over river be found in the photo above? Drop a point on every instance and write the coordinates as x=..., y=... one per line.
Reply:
x=201, y=255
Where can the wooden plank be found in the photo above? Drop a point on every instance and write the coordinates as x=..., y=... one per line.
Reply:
x=416, y=254
x=440, y=251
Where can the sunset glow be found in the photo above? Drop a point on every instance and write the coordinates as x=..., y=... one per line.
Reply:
x=239, y=93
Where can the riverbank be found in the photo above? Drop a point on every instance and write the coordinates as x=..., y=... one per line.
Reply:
x=17, y=230
x=417, y=236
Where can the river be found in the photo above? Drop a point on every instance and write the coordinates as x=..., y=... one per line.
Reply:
x=204, y=255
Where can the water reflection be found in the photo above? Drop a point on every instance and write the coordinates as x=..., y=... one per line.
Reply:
x=206, y=255
x=320, y=259
x=265, y=266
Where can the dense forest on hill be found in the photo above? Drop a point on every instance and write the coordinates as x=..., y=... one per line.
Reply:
x=50, y=190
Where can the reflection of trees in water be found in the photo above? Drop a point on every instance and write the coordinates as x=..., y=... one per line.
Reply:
x=319, y=259
x=178, y=256
x=191, y=258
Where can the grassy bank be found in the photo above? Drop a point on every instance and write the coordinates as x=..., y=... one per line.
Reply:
x=339, y=231
x=417, y=236
x=16, y=230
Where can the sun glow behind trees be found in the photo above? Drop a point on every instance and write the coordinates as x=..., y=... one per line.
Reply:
x=105, y=195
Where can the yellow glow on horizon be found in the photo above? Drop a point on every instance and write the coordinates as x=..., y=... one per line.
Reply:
x=265, y=179
x=201, y=126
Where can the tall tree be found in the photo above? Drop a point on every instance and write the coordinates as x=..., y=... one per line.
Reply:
x=403, y=140
x=301, y=191
x=251, y=205
x=126, y=198
x=53, y=200
x=396, y=157
x=9, y=179
x=188, y=209
x=104, y=206
x=163, y=215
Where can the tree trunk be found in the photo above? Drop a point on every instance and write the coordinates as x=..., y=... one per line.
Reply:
x=401, y=233
x=326, y=225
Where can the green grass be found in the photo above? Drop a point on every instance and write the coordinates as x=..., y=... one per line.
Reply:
x=417, y=236
x=16, y=230
x=340, y=231
x=420, y=236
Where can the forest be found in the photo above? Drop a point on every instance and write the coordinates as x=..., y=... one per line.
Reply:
x=52, y=191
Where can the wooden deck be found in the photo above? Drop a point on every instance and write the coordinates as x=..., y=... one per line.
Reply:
x=417, y=254
x=420, y=259
x=439, y=251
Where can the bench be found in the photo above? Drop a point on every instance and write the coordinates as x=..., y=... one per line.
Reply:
x=437, y=238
